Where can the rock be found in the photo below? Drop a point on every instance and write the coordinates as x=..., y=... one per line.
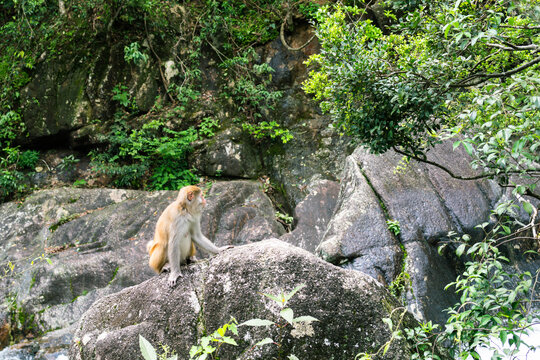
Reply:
x=312, y=215
x=426, y=202
x=349, y=306
x=95, y=241
x=358, y=232
x=226, y=154
x=238, y=212
x=69, y=91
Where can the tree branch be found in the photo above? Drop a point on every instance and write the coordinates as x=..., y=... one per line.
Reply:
x=282, y=35
x=512, y=47
x=484, y=76
x=459, y=177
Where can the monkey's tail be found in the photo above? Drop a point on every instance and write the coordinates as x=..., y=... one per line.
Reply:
x=158, y=256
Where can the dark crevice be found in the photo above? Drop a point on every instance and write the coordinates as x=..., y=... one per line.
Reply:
x=387, y=216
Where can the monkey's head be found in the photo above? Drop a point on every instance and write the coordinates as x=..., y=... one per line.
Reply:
x=191, y=199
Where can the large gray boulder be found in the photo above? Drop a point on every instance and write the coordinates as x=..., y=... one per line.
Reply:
x=349, y=305
x=95, y=241
x=426, y=202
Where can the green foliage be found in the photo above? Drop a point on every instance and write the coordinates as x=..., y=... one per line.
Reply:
x=68, y=162
x=149, y=352
x=207, y=127
x=444, y=69
x=286, y=319
x=393, y=226
x=153, y=156
x=12, y=160
x=28, y=159
x=208, y=346
x=133, y=54
x=121, y=95
x=495, y=302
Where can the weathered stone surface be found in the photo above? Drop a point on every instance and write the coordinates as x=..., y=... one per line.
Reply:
x=227, y=154
x=313, y=214
x=66, y=93
x=96, y=238
x=426, y=202
x=357, y=232
x=238, y=212
x=349, y=306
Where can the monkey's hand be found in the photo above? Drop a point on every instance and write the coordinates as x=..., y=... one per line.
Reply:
x=173, y=277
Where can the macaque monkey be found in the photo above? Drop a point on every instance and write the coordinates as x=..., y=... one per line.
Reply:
x=177, y=229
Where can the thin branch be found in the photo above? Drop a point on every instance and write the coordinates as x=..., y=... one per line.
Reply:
x=282, y=35
x=484, y=76
x=511, y=47
x=459, y=177
x=520, y=27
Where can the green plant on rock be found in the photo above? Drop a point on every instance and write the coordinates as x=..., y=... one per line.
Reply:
x=393, y=226
x=149, y=352
x=286, y=321
x=207, y=127
x=132, y=54
x=153, y=156
x=68, y=162
x=495, y=303
x=12, y=159
x=208, y=346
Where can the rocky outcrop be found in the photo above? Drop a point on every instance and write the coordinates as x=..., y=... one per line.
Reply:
x=95, y=242
x=349, y=305
x=68, y=91
x=427, y=204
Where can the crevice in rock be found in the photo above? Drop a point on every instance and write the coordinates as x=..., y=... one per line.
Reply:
x=387, y=216
x=57, y=141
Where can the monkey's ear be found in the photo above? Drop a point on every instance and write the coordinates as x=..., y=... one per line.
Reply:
x=190, y=196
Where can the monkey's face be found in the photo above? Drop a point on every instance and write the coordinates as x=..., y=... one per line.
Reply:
x=197, y=202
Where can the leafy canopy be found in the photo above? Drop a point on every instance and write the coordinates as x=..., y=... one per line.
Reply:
x=444, y=68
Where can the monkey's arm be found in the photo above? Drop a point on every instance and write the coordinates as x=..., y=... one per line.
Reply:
x=202, y=241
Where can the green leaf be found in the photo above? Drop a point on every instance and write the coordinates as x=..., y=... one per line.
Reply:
x=147, y=350
x=468, y=147
x=306, y=319
x=291, y=294
x=272, y=297
x=503, y=336
x=460, y=249
x=292, y=357
x=229, y=340
x=287, y=314
x=388, y=322
x=528, y=207
x=264, y=342
x=257, y=322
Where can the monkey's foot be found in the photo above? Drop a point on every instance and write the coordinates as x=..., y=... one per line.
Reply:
x=191, y=259
x=173, y=277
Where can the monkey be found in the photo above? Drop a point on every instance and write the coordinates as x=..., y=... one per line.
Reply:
x=177, y=229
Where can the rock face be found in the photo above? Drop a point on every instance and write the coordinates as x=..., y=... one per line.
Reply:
x=425, y=201
x=95, y=240
x=349, y=306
